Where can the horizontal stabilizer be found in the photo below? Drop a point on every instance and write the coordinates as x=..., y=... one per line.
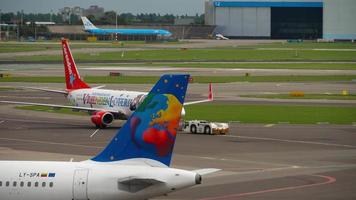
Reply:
x=60, y=106
x=210, y=97
x=134, y=184
x=46, y=90
x=99, y=87
x=206, y=171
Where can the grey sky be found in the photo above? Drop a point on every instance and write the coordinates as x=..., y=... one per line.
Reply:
x=180, y=7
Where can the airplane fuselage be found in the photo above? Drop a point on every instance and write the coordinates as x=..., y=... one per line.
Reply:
x=121, y=101
x=37, y=180
x=157, y=32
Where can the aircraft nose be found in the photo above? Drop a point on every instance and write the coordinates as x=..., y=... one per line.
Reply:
x=167, y=33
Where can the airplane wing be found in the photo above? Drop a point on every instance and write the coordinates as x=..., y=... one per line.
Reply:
x=210, y=97
x=206, y=171
x=99, y=87
x=196, y=102
x=59, y=106
x=46, y=90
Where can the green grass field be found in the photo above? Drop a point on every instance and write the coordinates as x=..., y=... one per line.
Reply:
x=51, y=110
x=196, y=79
x=44, y=45
x=7, y=47
x=306, y=96
x=272, y=113
x=203, y=55
x=253, y=113
x=327, y=66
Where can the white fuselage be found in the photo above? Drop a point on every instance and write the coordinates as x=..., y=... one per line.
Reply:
x=29, y=180
x=121, y=101
x=110, y=100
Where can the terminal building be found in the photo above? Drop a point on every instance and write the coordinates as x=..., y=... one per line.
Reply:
x=287, y=19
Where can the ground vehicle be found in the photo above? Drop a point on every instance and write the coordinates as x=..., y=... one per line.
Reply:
x=202, y=126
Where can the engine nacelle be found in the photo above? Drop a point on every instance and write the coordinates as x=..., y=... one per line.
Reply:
x=182, y=114
x=102, y=119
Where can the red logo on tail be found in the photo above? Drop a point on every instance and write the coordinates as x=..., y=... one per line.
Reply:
x=73, y=80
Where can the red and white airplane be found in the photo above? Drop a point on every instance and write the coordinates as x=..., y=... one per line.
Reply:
x=103, y=105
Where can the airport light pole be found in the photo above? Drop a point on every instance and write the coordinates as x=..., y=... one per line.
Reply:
x=0, y=24
x=50, y=16
x=116, y=25
x=21, y=18
x=116, y=19
x=34, y=23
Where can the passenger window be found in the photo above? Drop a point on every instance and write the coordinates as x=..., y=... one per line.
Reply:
x=51, y=184
x=28, y=184
x=36, y=184
x=14, y=183
x=43, y=184
x=22, y=184
x=7, y=183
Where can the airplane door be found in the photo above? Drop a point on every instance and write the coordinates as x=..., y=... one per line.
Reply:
x=80, y=183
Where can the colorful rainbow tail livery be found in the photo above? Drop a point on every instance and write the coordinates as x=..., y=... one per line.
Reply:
x=151, y=130
x=73, y=81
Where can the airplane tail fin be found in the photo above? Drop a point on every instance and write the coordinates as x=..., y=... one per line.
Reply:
x=87, y=24
x=150, y=131
x=73, y=80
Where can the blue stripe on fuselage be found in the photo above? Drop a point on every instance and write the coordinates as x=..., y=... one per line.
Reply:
x=130, y=32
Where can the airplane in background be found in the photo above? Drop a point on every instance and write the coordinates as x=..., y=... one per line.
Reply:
x=221, y=37
x=103, y=105
x=134, y=165
x=90, y=28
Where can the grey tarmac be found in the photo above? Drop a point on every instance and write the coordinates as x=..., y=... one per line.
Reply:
x=257, y=161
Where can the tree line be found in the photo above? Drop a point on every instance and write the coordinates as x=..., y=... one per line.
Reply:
x=107, y=19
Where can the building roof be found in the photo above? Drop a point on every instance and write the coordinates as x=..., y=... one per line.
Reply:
x=267, y=4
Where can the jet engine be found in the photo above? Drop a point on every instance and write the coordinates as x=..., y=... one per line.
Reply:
x=102, y=119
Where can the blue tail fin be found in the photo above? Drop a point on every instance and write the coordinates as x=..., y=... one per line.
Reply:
x=151, y=130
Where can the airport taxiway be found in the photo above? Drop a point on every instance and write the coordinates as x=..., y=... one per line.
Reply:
x=98, y=69
x=258, y=161
x=223, y=92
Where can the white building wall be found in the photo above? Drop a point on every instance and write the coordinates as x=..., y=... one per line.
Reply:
x=339, y=19
x=244, y=22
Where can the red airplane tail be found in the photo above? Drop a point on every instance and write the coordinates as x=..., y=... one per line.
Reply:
x=73, y=81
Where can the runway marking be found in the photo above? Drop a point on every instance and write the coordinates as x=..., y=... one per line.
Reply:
x=269, y=125
x=328, y=180
x=290, y=141
x=97, y=130
x=238, y=160
x=51, y=143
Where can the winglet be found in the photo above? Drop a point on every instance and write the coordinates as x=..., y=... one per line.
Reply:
x=151, y=130
x=72, y=76
x=211, y=96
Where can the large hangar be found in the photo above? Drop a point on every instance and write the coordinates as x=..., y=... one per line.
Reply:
x=303, y=19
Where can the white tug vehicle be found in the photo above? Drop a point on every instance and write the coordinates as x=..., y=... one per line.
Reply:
x=205, y=127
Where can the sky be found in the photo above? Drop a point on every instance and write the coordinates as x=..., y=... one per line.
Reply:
x=176, y=7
